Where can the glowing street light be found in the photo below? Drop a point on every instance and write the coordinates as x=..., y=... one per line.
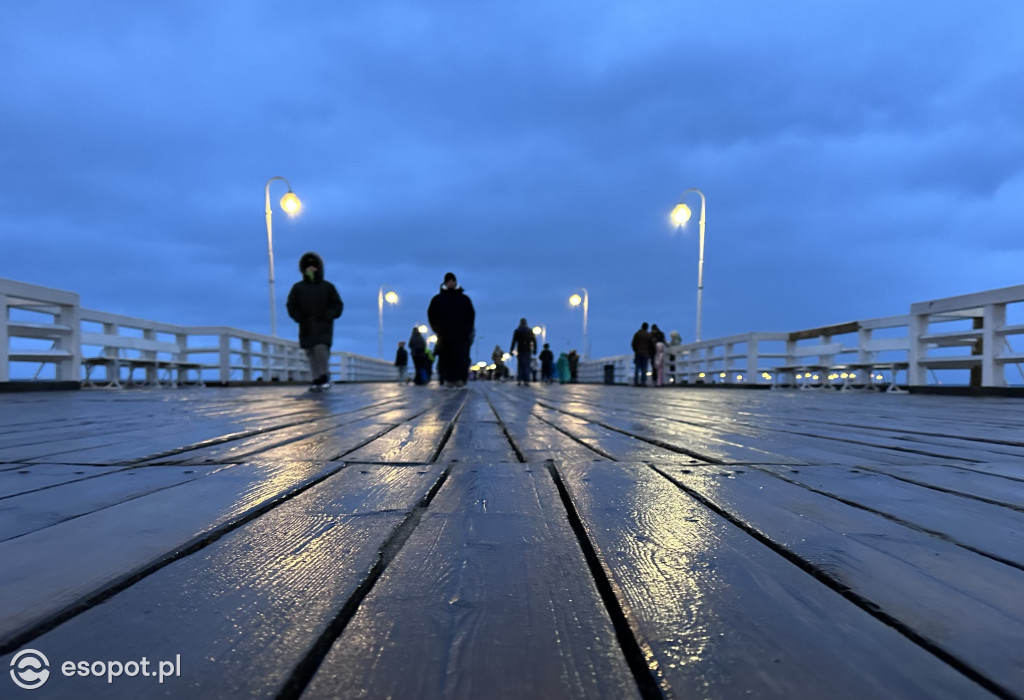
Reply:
x=680, y=215
x=291, y=205
x=390, y=298
x=576, y=300
x=542, y=331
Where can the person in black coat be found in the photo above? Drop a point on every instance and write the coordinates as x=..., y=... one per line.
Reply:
x=314, y=303
x=420, y=361
x=401, y=361
x=524, y=342
x=547, y=364
x=452, y=316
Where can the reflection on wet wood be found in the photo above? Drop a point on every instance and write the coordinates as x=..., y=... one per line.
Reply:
x=696, y=542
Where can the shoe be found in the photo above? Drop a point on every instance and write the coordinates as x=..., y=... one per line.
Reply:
x=326, y=386
x=314, y=388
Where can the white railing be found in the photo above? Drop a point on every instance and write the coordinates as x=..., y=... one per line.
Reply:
x=46, y=335
x=964, y=340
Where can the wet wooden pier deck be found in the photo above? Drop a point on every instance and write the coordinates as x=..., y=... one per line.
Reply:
x=382, y=541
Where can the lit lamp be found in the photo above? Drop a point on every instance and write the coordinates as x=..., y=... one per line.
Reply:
x=390, y=298
x=680, y=215
x=291, y=206
x=542, y=331
x=576, y=300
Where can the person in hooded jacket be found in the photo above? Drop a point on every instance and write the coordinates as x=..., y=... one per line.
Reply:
x=453, y=318
x=524, y=342
x=314, y=303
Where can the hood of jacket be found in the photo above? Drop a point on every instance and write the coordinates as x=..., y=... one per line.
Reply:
x=311, y=258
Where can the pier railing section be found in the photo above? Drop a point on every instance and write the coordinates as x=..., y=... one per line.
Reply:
x=972, y=340
x=46, y=335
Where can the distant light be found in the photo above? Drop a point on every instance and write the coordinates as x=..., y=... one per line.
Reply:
x=701, y=375
x=853, y=375
x=537, y=330
x=815, y=377
x=739, y=377
x=506, y=357
x=423, y=328
x=722, y=375
x=575, y=300
x=432, y=339
x=290, y=203
x=391, y=298
x=681, y=214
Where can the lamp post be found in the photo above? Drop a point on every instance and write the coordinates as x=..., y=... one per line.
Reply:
x=291, y=205
x=390, y=298
x=576, y=300
x=680, y=215
x=542, y=331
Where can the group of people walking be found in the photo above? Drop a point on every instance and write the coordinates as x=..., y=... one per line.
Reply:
x=648, y=349
x=314, y=303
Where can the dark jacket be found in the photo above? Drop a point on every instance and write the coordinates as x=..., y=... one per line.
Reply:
x=452, y=316
x=314, y=304
x=524, y=339
x=547, y=358
x=401, y=358
x=417, y=346
x=642, y=344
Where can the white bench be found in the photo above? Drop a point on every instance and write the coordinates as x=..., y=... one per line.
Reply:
x=153, y=356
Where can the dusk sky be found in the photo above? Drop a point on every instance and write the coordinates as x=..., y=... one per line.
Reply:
x=856, y=157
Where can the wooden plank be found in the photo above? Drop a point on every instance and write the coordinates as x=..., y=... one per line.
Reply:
x=964, y=604
x=721, y=614
x=481, y=441
x=66, y=563
x=991, y=488
x=415, y=440
x=489, y=598
x=230, y=609
x=982, y=527
x=29, y=512
x=26, y=478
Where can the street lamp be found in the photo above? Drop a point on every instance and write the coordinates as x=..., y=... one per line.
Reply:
x=680, y=215
x=542, y=331
x=390, y=298
x=291, y=205
x=575, y=300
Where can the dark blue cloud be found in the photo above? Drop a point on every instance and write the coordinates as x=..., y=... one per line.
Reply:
x=855, y=158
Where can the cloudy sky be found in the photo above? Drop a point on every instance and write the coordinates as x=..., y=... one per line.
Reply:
x=856, y=157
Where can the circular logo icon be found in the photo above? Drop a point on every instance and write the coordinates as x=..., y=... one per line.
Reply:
x=30, y=669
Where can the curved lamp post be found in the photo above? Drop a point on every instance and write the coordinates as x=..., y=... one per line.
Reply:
x=390, y=298
x=680, y=215
x=576, y=300
x=291, y=205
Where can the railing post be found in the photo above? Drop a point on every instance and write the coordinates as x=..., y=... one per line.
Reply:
x=993, y=320
x=225, y=358
x=753, y=358
x=5, y=340
x=918, y=349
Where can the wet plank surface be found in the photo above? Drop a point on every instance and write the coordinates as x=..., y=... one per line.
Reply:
x=500, y=541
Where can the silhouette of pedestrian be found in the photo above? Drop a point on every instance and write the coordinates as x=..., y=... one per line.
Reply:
x=452, y=316
x=314, y=303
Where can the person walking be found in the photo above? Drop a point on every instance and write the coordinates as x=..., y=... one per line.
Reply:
x=547, y=362
x=498, y=358
x=574, y=366
x=401, y=361
x=562, y=368
x=641, y=354
x=314, y=304
x=453, y=318
x=524, y=342
x=659, y=363
x=418, y=348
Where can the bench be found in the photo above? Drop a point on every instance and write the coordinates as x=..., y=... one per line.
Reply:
x=116, y=349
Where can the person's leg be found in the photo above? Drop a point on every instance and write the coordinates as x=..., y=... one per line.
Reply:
x=321, y=356
x=642, y=367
